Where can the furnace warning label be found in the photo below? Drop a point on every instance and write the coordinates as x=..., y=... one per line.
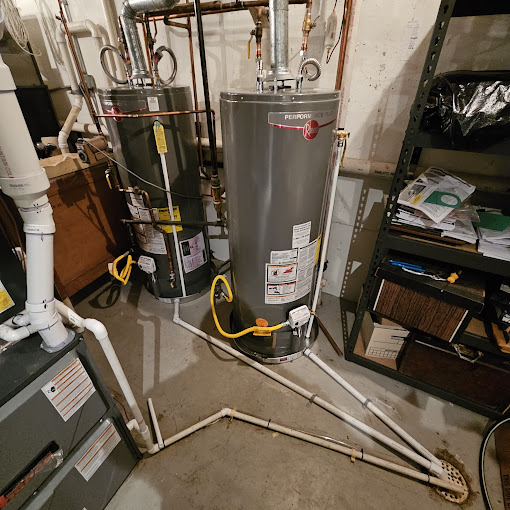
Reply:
x=193, y=253
x=108, y=439
x=69, y=389
x=5, y=299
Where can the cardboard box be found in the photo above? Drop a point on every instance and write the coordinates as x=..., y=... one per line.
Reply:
x=383, y=340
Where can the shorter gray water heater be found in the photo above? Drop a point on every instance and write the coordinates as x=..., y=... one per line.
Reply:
x=134, y=146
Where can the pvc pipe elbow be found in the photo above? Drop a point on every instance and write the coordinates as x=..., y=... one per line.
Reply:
x=92, y=28
x=59, y=35
x=97, y=328
x=10, y=334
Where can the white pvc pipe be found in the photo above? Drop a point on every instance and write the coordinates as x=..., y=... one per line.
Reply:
x=91, y=129
x=155, y=423
x=99, y=331
x=23, y=179
x=436, y=467
x=66, y=58
x=9, y=332
x=200, y=425
x=69, y=123
x=111, y=24
x=327, y=230
x=303, y=436
x=312, y=397
x=174, y=229
x=87, y=25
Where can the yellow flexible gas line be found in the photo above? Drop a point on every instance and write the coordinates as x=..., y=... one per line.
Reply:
x=126, y=270
x=256, y=330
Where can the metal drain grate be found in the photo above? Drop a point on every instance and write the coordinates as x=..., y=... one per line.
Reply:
x=455, y=476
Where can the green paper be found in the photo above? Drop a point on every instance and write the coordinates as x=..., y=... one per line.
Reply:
x=492, y=221
x=444, y=199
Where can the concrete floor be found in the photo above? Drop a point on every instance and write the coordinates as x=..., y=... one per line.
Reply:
x=238, y=466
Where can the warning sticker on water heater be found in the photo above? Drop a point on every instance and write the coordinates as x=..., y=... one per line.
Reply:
x=309, y=123
x=193, y=253
x=285, y=283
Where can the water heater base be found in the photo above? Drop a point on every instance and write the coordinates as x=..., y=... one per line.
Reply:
x=267, y=358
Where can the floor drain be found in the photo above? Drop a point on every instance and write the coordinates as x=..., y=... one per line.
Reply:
x=455, y=476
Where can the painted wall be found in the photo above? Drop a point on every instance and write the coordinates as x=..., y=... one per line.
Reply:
x=385, y=54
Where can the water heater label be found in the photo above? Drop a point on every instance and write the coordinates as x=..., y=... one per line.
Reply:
x=301, y=234
x=193, y=253
x=281, y=273
x=309, y=123
x=153, y=103
x=288, y=282
x=284, y=256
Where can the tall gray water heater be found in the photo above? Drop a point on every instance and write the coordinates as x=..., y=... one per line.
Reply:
x=277, y=149
x=134, y=147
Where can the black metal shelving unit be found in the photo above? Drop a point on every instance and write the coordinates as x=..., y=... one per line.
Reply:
x=414, y=141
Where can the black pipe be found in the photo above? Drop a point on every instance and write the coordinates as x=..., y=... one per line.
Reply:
x=190, y=224
x=205, y=84
x=216, y=190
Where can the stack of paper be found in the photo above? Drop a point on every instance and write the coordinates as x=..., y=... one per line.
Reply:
x=494, y=233
x=436, y=193
x=434, y=203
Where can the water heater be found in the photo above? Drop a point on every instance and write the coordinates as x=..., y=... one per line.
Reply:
x=134, y=146
x=277, y=148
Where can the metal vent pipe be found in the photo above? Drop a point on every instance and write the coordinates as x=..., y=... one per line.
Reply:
x=130, y=10
x=279, y=36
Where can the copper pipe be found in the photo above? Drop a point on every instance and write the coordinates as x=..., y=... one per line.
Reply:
x=85, y=88
x=151, y=114
x=343, y=45
x=176, y=24
x=181, y=10
x=258, y=33
x=149, y=43
x=307, y=27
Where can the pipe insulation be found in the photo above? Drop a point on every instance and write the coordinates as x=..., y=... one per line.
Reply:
x=311, y=397
x=129, y=12
x=23, y=179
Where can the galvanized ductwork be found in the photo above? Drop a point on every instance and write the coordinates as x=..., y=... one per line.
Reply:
x=130, y=10
x=279, y=35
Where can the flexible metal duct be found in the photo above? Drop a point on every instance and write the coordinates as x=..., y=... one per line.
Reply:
x=130, y=10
